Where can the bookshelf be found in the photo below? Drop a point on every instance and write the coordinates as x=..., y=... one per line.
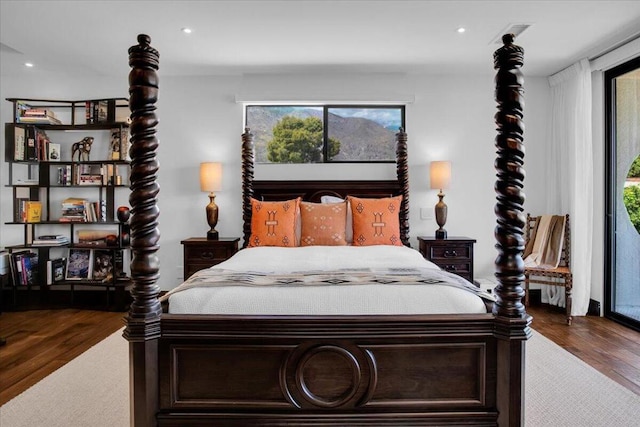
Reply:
x=68, y=169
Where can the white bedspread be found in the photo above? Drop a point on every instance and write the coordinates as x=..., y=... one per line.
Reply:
x=326, y=298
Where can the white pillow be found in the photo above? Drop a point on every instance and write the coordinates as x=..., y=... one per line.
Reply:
x=349, y=230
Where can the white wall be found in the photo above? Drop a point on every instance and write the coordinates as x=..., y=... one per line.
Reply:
x=451, y=118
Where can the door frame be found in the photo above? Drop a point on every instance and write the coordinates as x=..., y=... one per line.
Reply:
x=610, y=194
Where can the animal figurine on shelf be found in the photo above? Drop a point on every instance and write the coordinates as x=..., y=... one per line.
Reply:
x=83, y=148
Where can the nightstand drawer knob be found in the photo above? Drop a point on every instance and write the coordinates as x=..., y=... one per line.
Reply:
x=451, y=267
x=206, y=255
x=450, y=254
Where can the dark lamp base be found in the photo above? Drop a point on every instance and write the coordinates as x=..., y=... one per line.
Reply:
x=212, y=235
x=441, y=234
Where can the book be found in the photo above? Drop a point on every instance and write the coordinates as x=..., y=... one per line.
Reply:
x=73, y=210
x=87, y=179
x=15, y=266
x=38, y=115
x=88, y=112
x=39, y=112
x=20, y=214
x=31, y=153
x=118, y=264
x=56, y=270
x=119, y=143
x=51, y=240
x=53, y=154
x=30, y=269
x=19, y=133
x=42, y=145
x=102, y=264
x=33, y=211
x=52, y=237
x=78, y=264
x=36, y=119
x=4, y=262
x=93, y=237
x=102, y=111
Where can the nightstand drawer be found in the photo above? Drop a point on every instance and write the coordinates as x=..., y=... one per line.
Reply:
x=208, y=255
x=200, y=253
x=460, y=268
x=452, y=252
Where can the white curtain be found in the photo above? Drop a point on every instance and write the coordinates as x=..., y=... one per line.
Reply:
x=570, y=176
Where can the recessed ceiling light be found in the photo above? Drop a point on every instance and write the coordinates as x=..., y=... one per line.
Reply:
x=461, y=30
x=186, y=30
x=28, y=64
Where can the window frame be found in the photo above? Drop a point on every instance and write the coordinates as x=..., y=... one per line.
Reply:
x=325, y=126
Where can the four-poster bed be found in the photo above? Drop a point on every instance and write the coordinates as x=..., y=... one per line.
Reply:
x=326, y=370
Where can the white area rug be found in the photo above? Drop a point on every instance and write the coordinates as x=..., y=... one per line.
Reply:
x=92, y=391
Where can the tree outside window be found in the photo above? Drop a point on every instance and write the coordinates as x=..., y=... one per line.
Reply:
x=631, y=193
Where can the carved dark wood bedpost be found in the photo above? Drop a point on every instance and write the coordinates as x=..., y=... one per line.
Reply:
x=248, y=158
x=402, y=166
x=143, y=321
x=512, y=321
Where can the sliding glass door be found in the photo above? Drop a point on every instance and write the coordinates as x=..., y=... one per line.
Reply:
x=622, y=97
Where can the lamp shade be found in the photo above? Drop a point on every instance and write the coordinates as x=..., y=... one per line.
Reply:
x=210, y=176
x=440, y=175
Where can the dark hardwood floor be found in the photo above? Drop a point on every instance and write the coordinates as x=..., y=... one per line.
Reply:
x=609, y=347
x=39, y=342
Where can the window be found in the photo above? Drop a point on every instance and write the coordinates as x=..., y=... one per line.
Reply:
x=622, y=202
x=324, y=133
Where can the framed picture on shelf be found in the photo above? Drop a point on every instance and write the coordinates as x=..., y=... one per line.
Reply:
x=79, y=264
x=102, y=264
x=54, y=152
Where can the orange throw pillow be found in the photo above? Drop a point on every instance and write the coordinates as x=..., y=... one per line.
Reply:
x=323, y=224
x=376, y=221
x=274, y=223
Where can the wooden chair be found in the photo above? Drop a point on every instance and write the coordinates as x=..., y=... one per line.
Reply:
x=546, y=276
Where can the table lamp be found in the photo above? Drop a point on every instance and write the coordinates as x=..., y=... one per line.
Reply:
x=211, y=180
x=440, y=179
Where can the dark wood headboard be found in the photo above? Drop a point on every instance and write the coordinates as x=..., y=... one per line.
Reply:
x=313, y=190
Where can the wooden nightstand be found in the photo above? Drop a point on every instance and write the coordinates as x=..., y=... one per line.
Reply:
x=453, y=254
x=201, y=253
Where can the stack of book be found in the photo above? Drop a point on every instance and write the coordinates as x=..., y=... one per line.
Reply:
x=38, y=116
x=82, y=210
x=73, y=210
x=51, y=240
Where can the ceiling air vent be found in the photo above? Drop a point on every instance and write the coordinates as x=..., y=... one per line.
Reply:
x=515, y=29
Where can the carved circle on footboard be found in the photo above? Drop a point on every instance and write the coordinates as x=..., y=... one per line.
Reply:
x=329, y=376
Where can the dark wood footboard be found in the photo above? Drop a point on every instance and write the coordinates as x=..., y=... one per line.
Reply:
x=341, y=371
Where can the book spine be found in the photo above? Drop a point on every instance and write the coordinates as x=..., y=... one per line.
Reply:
x=18, y=143
x=89, y=107
x=31, y=153
x=49, y=272
x=19, y=214
x=118, y=263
